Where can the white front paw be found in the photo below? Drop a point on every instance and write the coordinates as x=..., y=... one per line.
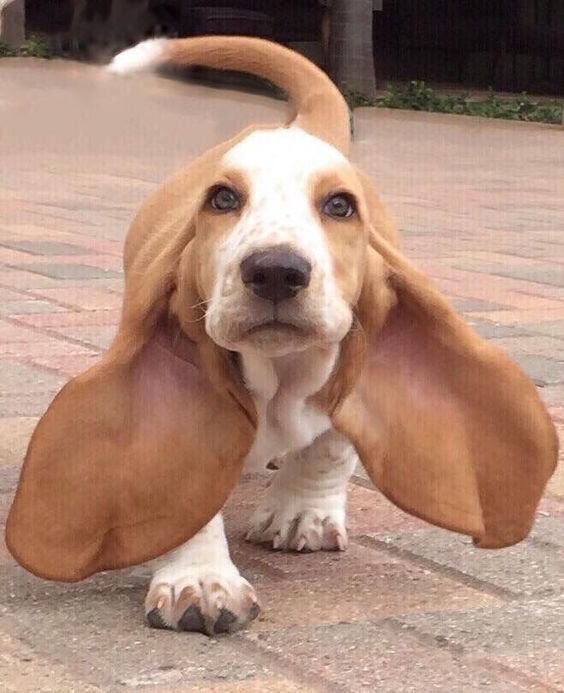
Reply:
x=209, y=601
x=298, y=523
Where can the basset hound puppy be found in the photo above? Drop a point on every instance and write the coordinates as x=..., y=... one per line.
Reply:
x=269, y=314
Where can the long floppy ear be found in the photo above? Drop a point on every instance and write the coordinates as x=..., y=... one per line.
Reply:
x=130, y=460
x=137, y=454
x=446, y=425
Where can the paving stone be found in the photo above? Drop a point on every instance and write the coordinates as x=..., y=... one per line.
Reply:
x=515, y=268
x=100, y=336
x=524, y=569
x=490, y=330
x=536, y=345
x=544, y=667
x=96, y=629
x=542, y=370
x=376, y=657
x=556, y=484
x=69, y=271
x=68, y=318
x=389, y=589
x=541, y=275
x=468, y=305
x=84, y=297
x=522, y=316
x=258, y=685
x=31, y=306
x=22, y=281
x=68, y=365
x=550, y=529
x=519, y=627
x=25, y=405
x=42, y=347
x=17, y=378
x=21, y=671
x=46, y=247
x=552, y=328
x=14, y=333
x=261, y=564
x=111, y=284
x=552, y=395
x=15, y=433
x=9, y=295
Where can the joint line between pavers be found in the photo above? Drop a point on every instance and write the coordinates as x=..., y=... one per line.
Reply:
x=520, y=678
x=428, y=639
x=279, y=664
x=446, y=571
x=47, y=332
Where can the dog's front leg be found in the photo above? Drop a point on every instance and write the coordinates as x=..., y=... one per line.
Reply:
x=304, y=505
x=197, y=587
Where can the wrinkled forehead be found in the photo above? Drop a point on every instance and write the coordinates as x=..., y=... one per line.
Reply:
x=283, y=159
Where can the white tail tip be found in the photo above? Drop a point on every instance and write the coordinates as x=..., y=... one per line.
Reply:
x=142, y=57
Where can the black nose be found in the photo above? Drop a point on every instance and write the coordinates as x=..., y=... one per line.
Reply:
x=275, y=274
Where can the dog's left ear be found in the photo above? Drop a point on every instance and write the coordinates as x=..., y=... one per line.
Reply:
x=446, y=425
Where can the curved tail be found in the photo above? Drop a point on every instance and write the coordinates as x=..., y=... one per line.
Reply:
x=318, y=105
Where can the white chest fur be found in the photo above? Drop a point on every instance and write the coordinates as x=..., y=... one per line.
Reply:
x=281, y=387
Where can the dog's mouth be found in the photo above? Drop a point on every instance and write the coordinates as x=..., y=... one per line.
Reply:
x=277, y=326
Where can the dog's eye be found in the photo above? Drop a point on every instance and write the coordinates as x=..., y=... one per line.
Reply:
x=340, y=206
x=224, y=199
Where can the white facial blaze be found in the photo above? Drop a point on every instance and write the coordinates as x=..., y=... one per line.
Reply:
x=280, y=166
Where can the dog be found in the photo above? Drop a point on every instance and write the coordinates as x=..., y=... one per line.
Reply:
x=269, y=314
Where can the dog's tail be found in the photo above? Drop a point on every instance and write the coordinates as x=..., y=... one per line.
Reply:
x=318, y=105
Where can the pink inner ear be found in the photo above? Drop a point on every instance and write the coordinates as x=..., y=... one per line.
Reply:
x=406, y=349
x=166, y=372
x=421, y=424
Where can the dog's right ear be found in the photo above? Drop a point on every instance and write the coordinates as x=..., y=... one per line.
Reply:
x=131, y=459
x=136, y=455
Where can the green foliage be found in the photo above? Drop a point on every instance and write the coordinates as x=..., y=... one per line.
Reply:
x=33, y=47
x=417, y=96
x=6, y=51
x=356, y=99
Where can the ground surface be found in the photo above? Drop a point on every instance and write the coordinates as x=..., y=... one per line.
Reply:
x=408, y=607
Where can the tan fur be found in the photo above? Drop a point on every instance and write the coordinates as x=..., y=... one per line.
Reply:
x=318, y=106
x=133, y=457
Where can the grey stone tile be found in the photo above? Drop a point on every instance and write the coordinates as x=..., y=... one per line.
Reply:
x=25, y=405
x=47, y=248
x=15, y=433
x=69, y=271
x=99, y=336
x=28, y=307
x=541, y=275
x=471, y=305
x=489, y=330
x=516, y=626
x=97, y=628
x=376, y=657
x=18, y=378
x=524, y=569
x=541, y=369
x=550, y=529
x=544, y=665
x=553, y=395
x=552, y=328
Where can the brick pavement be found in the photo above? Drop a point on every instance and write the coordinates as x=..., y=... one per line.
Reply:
x=408, y=607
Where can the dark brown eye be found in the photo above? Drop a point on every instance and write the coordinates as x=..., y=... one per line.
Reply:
x=340, y=206
x=224, y=199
